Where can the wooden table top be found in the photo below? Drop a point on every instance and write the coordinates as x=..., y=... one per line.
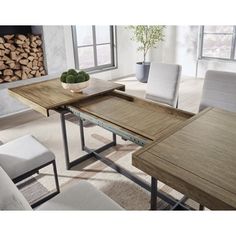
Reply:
x=49, y=94
x=198, y=160
x=145, y=118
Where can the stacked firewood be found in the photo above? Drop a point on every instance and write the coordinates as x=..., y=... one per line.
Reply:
x=21, y=57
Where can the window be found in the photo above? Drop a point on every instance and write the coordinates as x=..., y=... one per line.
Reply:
x=218, y=42
x=94, y=47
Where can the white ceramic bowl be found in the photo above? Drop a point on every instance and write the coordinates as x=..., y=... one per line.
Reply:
x=75, y=87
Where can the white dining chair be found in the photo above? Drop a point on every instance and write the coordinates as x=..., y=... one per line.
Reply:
x=163, y=83
x=219, y=90
x=80, y=196
x=24, y=157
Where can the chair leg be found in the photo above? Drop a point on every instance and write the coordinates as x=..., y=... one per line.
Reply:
x=177, y=103
x=42, y=200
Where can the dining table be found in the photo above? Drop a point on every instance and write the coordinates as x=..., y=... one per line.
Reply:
x=192, y=153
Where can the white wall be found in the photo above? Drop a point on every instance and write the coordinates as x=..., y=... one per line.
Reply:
x=9, y=104
x=54, y=45
x=181, y=47
x=186, y=49
x=165, y=51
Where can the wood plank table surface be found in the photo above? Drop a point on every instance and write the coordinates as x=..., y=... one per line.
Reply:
x=145, y=118
x=47, y=95
x=198, y=160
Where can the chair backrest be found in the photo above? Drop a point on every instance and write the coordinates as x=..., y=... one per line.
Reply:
x=163, y=83
x=219, y=90
x=10, y=197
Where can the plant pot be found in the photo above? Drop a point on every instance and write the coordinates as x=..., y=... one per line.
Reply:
x=75, y=87
x=142, y=71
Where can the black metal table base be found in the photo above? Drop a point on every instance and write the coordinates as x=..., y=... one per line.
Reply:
x=178, y=205
x=155, y=193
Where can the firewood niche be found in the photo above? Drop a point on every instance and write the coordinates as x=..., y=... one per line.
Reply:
x=21, y=57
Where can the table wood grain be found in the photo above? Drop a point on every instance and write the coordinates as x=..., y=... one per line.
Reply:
x=199, y=159
x=49, y=94
x=148, y=119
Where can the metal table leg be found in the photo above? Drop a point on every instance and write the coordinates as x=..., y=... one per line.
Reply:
x=153, y=193
x=180, y=204
x=64, y=137
x=201, y=207
x=96, y=153
x=114, y=138
x=81, y=127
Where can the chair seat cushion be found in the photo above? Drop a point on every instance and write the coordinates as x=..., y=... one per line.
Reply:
x=81, y=196
x=22, y=155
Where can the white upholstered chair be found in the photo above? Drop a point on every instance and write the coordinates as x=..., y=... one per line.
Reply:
x=219, y=90
x=25, y=156
x=81, y=196
x=10, y=197
x=163, y=83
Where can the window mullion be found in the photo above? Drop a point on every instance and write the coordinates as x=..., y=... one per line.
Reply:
x=201, y=42
x=75, y=47
x=218, y=33
x=232, y=54
x=95, y=46
x=112, y=45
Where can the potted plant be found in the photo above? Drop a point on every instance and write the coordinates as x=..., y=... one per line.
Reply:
x=74, y=81
x=147, y=36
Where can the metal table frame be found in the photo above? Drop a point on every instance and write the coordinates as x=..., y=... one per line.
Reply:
x=175, y=204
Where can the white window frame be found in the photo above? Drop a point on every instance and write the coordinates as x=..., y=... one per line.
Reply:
x=96, y=67
x=233, y=45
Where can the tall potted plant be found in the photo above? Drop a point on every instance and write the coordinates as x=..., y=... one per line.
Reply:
x=147, y=36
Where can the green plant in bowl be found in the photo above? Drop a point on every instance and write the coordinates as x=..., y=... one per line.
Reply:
x=80, y=78
x=74, y=81
x=70, y=79
x=85, y=75
x=72, y=72
x=63, y=77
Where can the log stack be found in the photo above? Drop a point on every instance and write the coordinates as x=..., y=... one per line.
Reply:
x=21, y=57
